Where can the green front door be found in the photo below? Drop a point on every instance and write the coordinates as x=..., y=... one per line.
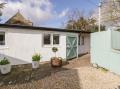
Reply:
x=71, y=47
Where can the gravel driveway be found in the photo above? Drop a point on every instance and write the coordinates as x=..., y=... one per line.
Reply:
x=76, y=74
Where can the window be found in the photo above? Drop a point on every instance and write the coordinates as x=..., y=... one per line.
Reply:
x=2, y=38
x=51, y=39
x=83, y=40
x=55, y=39
x=47, y=39
x=79, y=40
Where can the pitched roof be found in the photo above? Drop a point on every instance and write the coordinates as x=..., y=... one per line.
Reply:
x=19, y=20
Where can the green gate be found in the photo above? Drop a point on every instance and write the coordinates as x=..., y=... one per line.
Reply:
x=71, y=47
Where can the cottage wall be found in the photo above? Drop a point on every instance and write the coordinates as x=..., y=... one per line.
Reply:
x=82, y=49
x=21, y=44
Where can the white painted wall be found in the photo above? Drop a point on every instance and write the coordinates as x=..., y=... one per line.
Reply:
x=86, y=47
x=102, y=52
x=21, y=44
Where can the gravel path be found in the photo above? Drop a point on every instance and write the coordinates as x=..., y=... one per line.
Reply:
x=92, y=78
x=76, y=74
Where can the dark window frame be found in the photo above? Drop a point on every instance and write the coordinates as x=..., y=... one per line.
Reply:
x=45, y=43
x=57, y=43
x=2, y=38
x=83, y=40
x=79, y=40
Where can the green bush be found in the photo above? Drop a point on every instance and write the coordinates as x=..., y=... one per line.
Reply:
x=4, y=61
x=54, y=49
x=36, y=57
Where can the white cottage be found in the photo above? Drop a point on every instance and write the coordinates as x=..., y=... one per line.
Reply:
x=19, y=43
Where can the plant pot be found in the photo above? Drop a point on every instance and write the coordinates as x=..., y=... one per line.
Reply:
x=56, y=62
x=35, y=64
x=5, y=68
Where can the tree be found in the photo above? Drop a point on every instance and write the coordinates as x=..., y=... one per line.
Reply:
x=77, y=20
x=82, y=23
x=1, y=7
x=110, y=12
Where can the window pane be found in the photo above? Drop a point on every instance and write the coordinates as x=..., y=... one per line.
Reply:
x=2, y=38
x=55, y=39
x=47, y=39
x=82, y=40
x=79, y=40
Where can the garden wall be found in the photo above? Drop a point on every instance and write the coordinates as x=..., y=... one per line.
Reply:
x=102, y=51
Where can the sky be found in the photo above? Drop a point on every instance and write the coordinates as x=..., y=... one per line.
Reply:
x=47, y=13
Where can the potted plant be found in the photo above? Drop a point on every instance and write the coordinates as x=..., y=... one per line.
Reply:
x=5, y=66
x=35, y=60
x=56, y=61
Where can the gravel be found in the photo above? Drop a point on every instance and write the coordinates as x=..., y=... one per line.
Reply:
x=75, y=74
x=92, y=78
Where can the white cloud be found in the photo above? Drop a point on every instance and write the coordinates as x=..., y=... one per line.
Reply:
x=64, y=13
x=38, y=11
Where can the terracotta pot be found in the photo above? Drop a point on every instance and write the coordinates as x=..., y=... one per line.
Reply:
x=56, y=62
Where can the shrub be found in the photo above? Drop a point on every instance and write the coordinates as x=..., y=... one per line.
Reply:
x=4, y=61
x=54, y=49
x=104, y=69
x=36, y=57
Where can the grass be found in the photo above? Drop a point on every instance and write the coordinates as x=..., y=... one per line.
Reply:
x=104, y=69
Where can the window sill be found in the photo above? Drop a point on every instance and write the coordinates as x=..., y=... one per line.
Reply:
x=50, y=46
x=2, y=47
x=47, y=46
